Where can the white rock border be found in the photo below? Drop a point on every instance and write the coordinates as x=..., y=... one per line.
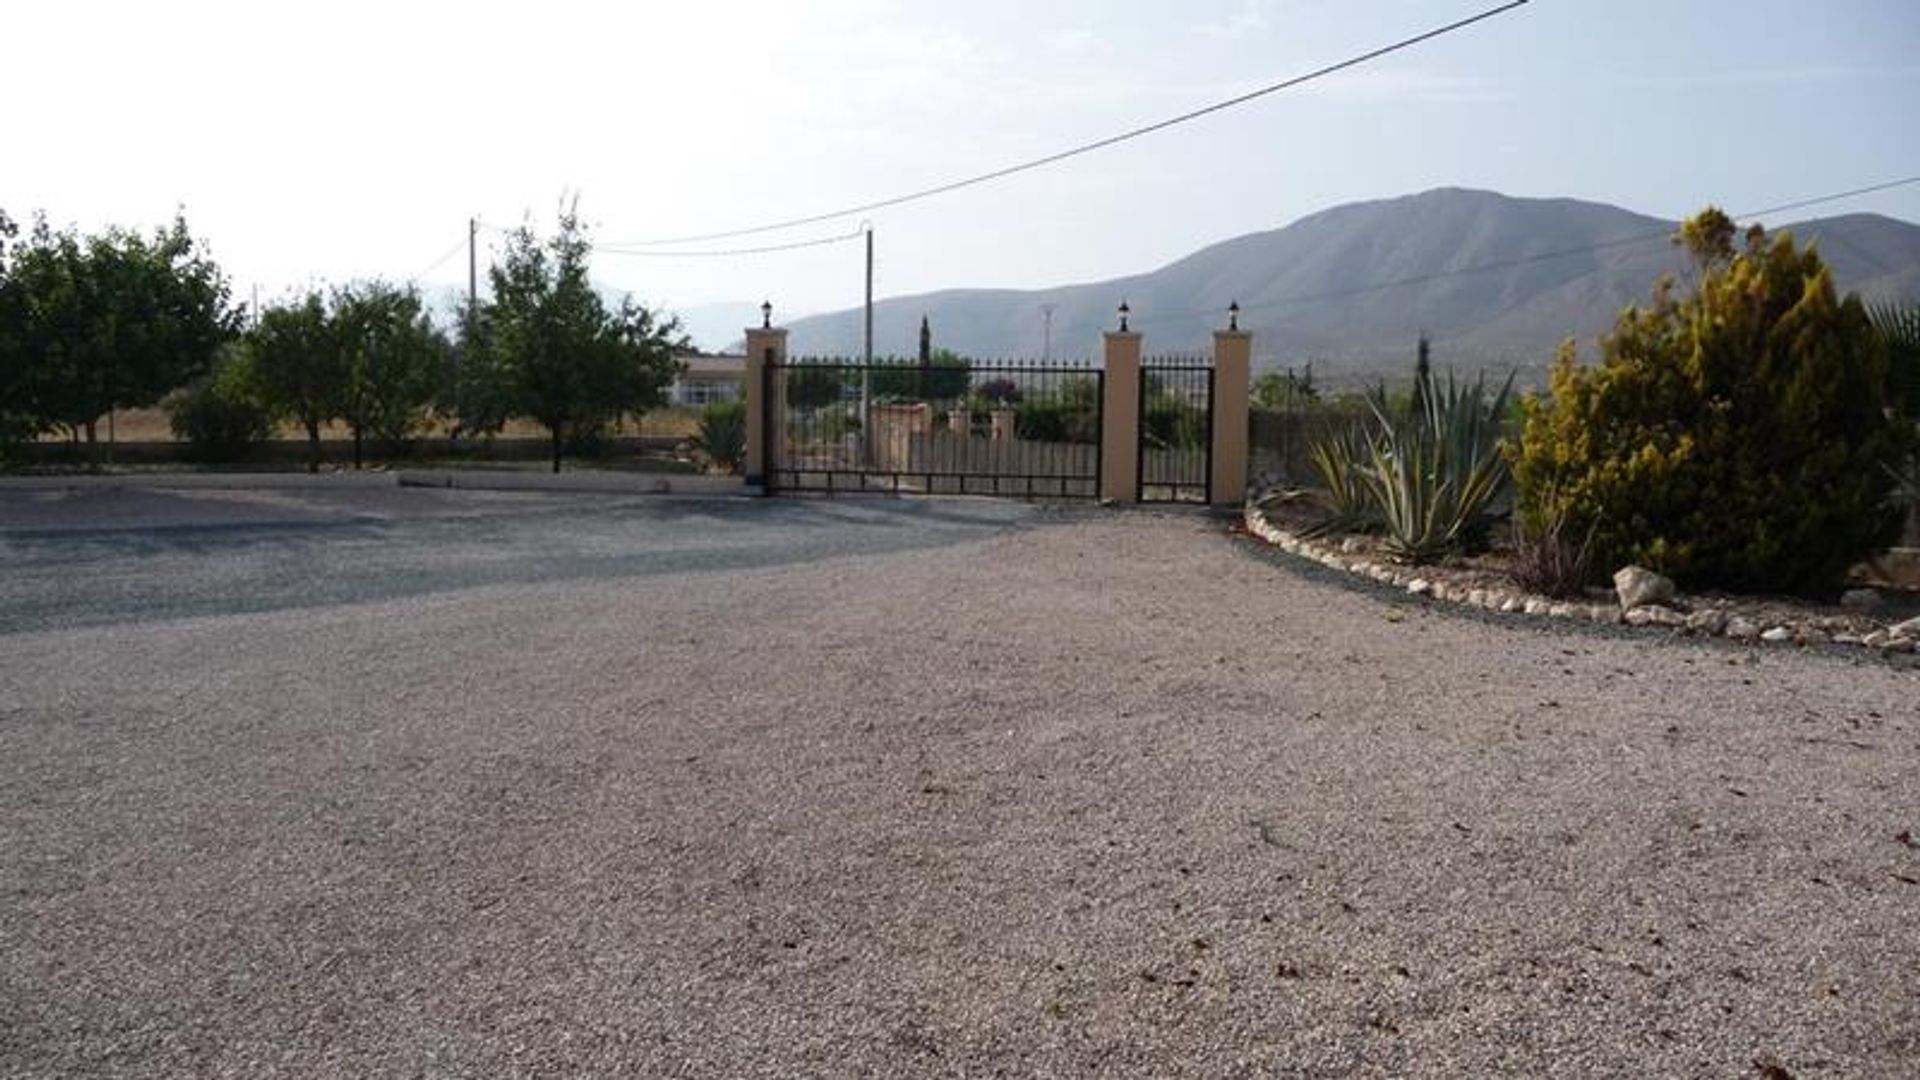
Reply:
x=1899, y=638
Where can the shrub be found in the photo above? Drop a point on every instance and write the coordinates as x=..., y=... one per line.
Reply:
x=723, y=434
x=1173, y=423
x=1547, y=556
x=223, y=414
x=1057, y=421
x=1737, y=437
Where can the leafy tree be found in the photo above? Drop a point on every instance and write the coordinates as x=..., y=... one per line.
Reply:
x=812, y=387
x=565, y=360
x=1276, y=389
x=16, y=419
x=110, y=321
x=1736, y=436
x=945, y=377
x=393, y=361
x=302, y=365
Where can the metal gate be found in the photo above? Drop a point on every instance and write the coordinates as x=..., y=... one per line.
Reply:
x=1175, y=460
x=1006, y=428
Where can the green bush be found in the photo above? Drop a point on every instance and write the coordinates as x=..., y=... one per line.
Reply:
x=1173, y=423
x=1056, y=420
x=1737, y=437
x=222, y=415
x=723, y=434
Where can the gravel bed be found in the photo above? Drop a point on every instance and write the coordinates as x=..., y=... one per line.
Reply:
x=1015, y=793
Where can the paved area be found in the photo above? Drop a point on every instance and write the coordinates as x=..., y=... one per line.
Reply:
x=438, y=784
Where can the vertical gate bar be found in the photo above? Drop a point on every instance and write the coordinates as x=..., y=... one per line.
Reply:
x=1140, y=441
x=1207, y=460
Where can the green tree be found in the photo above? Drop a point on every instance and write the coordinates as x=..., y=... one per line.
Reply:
x=1277, y=389
x=111, y=321
x=811, y=387
x=16, y=413
x=565, y=360
x=1737, y=436
x=394, y=359
x=945, y=377
x=301, y=365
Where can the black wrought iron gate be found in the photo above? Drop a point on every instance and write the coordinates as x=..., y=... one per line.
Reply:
x=1026, y=430
x=1175, y=460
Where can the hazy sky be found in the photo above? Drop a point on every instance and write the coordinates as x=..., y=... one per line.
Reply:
x=322, y=142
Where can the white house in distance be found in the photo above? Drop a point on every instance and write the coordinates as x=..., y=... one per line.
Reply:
x=710, y=377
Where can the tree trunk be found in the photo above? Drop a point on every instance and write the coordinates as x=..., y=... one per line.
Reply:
x=556, y=446
x=313, y=446
x=358, y=437
x=93, y=447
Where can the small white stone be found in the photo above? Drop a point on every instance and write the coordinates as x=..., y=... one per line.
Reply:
x=1420, y=586
x=1777, y=635
x=1908, y=629
x=1742, y=629
x=1511, y=605
x=1876, y=640
x=1477, y=597
x=1561, y=611
x=1537, y=606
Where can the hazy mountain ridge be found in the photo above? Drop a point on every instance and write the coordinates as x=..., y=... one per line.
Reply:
x=1545, y=269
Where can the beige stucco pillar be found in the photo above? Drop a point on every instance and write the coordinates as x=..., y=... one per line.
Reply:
x=1232, y=359
x=1120, y=419
x=765, y=345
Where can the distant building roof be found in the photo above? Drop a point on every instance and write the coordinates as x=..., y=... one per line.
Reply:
x=715, y=364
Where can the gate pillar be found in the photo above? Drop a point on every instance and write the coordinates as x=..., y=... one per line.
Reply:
x=1120, y=416
x=1232, y=359
x=766, y=347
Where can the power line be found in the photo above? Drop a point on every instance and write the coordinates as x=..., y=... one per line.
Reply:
x=435, y=264
x=1098, y=144
x=616, y=249
x=1526, y=260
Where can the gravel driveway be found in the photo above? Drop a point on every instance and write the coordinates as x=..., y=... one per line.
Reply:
x=448, y=785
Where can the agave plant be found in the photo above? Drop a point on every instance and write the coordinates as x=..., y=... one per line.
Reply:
x=1341, y=462
x=1436, y=468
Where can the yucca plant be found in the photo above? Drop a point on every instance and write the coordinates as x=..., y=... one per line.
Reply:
x=722, y=435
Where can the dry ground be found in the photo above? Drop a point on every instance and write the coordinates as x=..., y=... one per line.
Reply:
x=1021, y=793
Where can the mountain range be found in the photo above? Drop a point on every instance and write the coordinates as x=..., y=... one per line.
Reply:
x=1493, y=280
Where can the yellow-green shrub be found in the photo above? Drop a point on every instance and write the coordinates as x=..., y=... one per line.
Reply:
x=1735, y=437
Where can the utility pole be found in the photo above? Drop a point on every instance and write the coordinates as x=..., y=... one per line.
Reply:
x=866, y=357
x=473, y=270
x=1046, y=348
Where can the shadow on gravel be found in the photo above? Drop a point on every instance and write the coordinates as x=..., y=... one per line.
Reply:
x=126, y=573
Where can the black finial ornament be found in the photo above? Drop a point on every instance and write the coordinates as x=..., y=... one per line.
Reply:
x=1124, y=309
x=766, y=315
x=1233, y=315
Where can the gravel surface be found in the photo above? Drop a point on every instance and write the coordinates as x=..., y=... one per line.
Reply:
x=559, y=788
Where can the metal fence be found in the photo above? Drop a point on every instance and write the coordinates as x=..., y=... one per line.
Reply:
x=1013, y=428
